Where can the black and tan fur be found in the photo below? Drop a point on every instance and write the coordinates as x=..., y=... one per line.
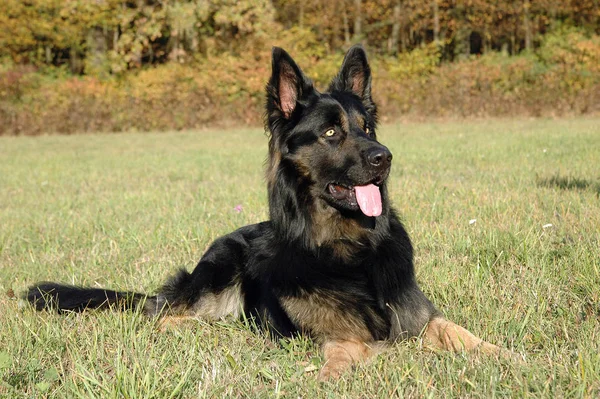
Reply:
x=319, y=266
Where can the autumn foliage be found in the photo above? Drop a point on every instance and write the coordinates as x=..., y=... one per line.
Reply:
x=114, y=65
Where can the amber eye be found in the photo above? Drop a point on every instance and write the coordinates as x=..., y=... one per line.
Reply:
x=330, y=133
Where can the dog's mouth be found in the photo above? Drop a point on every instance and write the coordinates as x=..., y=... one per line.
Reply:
x=367, y=197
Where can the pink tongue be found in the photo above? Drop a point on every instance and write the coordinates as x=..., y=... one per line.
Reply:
x=369, y=199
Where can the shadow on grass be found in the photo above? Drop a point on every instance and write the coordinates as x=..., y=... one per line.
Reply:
x=568, y=183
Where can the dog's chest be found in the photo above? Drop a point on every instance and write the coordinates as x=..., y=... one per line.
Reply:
x=328, y=314
x=327, y=298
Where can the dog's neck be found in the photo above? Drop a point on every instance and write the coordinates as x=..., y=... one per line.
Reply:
x=314, y=224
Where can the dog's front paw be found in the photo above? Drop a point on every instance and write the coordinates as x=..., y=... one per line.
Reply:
x=499, y=352
x=340, y=355
x=333, y=369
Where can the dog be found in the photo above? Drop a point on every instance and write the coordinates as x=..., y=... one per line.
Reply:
x=334, y=261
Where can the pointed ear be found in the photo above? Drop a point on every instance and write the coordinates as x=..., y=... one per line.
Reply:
x=354, y=75
x=287, y=85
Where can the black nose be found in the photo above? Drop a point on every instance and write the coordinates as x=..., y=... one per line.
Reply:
x=379, y=157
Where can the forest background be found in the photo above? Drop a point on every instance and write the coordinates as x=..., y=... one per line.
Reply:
x=72, y=66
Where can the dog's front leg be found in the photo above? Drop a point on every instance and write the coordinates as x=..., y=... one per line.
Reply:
x=340, y=355
x=447, y=335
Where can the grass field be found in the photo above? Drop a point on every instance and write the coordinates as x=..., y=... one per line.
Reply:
x=504, y=215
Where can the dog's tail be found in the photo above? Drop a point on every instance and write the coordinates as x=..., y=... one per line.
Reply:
x=62, y=297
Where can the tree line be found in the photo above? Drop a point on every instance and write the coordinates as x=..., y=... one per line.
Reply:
x=110, y=37
x=73, y=66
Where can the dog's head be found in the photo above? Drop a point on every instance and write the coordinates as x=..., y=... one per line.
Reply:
x=324, y=157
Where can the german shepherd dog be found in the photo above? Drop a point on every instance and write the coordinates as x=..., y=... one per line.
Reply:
x=333, y=262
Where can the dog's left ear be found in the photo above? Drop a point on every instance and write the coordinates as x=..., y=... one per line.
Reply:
x=354, y=75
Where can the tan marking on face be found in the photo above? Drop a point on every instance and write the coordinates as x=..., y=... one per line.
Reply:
x=300, y=159
x=344, y=123
x=360, y=120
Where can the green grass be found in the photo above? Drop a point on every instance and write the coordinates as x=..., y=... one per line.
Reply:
x=125, y=210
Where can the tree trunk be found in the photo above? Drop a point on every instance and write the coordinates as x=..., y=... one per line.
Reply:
x=357, y=20
x=346, y=26
x=95, y=58
x=436, y=21
x=174, y=44
x=513, y=44
x=395, y=38
x=49, y=57
x=527, y=25
x=115, y=39
x=75, y=62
